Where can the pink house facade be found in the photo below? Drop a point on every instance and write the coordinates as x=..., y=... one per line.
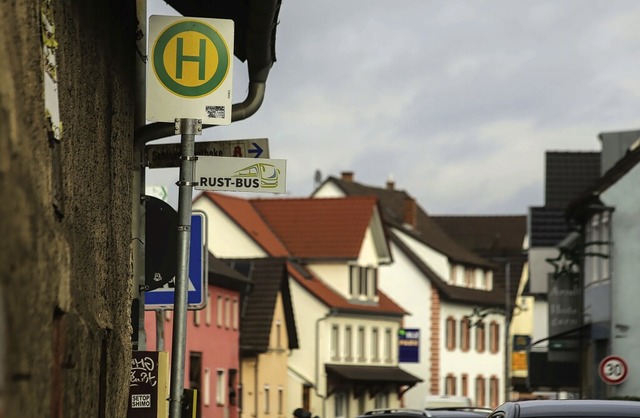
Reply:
x=212, y=362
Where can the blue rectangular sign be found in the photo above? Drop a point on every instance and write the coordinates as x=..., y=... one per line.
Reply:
x=164, y=297
x=409, y=345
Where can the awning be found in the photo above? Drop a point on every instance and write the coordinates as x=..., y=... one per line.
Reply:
x=371, y=378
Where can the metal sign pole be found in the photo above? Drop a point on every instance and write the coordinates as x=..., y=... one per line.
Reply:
x=188, y=129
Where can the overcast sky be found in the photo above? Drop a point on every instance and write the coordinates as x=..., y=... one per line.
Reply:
x=456, y=100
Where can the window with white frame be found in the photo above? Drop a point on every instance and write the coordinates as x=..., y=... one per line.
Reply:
x=206, y=387
x=465, y=330
x=363, y=282
x=452, y=274
x=335, y=342
x=388, y=345
x=340, y=405
x=196, y=318
x=267, y=399
x=480, y=392
x=348, y=343
x=280, y=400
x=375, y=345
x=362, y=340
x=480, y=337
x=381, y=400
x=468, y=277
x=450, y=333
x=220, y=387
x=494, y=337
x=464, y=383
x=219, y=311
x=236, y=315
x=207, y=310
x=362, y=404
x=278, y=334
x=494, y=392
x=450, y=385
x=227, y=313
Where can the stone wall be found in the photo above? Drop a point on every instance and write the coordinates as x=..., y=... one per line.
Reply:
x=65, y=210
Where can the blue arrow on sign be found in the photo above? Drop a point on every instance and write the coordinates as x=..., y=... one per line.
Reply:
x=257, y=150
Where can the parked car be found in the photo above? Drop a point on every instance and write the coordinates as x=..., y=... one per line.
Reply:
x=459, y=412
x=582, y=408
x=396, y=413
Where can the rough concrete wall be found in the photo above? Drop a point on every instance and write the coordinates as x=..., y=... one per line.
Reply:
x=65, y=286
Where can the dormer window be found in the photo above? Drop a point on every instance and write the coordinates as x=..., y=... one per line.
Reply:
x=363, y=282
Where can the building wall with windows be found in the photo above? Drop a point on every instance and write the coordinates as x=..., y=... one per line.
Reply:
x=624, y=266
x=212, y=362
x=403, y=282
x=472, y=356
x=264, y=377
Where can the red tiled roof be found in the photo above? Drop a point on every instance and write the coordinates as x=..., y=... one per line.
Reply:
x=319, y=228
x=302, y=227
x=334, y=300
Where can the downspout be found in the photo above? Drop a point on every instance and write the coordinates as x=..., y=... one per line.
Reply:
x=138, y=180
x=255, y=386
x=332, y=312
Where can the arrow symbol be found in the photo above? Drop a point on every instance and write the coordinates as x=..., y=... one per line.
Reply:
x=257, y=150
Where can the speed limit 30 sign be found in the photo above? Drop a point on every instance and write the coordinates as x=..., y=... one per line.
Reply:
x=613, y=370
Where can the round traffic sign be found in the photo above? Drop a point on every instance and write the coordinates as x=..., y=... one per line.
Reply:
x=613, y=370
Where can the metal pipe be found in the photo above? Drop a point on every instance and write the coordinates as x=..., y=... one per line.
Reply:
x=137, y=176
x=507, y=317
x=160, y=330
x=188, y=130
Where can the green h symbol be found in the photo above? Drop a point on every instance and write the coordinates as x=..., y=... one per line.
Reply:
x=200, y=58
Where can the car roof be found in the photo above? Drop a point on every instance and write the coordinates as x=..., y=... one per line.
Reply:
x=467, y=412
x=396, y=412
x=571, y=408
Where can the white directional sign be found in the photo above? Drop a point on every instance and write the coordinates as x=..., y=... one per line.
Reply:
x=164, y=297
x=613, y=370
x=168, y=155
x=240, y=174
x=190, y=69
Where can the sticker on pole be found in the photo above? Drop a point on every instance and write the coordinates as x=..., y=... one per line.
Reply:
x=240, y=174
x=613, y=370
x=190, y=66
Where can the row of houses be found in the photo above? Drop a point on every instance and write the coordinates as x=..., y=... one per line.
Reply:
x=582, y=280
x=351, y=299
x=356, y=298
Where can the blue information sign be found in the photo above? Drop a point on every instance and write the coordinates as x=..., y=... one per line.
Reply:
x=164, y=297
x=409, y=345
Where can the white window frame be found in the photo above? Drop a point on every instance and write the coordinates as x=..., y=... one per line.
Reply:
x=375, y=344
x=348, y=343
x=220, y=387
x=206, y=387
x=219, y=311
x=335, y=342
x=362, y=344
x=388, y=345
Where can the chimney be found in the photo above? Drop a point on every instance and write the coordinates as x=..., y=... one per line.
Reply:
x=390, y=183
x=347, y=176
x=410, y=212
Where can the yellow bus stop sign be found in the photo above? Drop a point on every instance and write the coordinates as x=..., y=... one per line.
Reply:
x=190, y=72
